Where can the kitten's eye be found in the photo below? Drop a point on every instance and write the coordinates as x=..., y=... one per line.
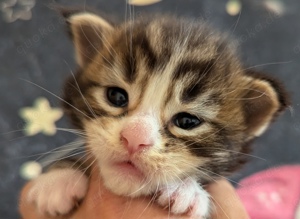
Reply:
x=186, y=121
x=117, y=96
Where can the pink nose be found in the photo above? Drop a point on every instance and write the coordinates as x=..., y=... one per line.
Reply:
x=137, y=136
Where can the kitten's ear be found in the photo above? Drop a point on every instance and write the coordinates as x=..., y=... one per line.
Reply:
x=264, y=99
x=88, y=31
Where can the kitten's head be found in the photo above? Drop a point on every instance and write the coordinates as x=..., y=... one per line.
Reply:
x=164, y=99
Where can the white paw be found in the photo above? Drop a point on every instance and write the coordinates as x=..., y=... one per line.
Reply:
x=57, y=192
x=187, y=197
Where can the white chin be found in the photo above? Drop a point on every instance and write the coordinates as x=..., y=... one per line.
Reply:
x=126, y=184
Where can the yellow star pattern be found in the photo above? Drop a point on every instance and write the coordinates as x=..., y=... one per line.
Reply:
x=40, y=118
x=142, y=2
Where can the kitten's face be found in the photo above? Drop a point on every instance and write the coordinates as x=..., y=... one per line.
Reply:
x=163, y=100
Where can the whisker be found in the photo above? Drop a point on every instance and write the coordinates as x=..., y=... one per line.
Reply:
x=224, y=49
x=267, y=64
x=169, y=206
x=237, y=152
x=85, y=170
x=79, y=90
x=220, y=176
x=111, y=64
x=106, y=44
x=149, y=204
x=74, y=131
x=212, y=134
x=197, y=170
x=71, y=146
x=236, y=23
x=17, y=138
x=13, y=131
x=56, y=97
x=48, y=161
x=82, y=160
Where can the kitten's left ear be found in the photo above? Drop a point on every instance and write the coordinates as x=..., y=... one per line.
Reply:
x=263, y=101
x=89, y=31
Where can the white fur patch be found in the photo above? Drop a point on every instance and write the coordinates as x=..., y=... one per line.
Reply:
x=57, y=191
x=186, y=197
x=125, y=184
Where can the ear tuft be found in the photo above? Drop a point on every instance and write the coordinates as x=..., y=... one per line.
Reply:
x=88, y=31
x=265, y=99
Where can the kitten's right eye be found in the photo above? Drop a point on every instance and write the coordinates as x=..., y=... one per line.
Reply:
x=117, y=96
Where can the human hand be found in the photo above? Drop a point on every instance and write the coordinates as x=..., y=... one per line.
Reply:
x=100, y=201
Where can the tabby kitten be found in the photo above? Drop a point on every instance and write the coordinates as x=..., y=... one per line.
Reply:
x=166, y=106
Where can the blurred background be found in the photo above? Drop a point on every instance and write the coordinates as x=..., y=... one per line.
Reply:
x=35, y=49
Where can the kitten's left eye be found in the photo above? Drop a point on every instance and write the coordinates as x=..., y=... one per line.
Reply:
x=186, y=121
x=117, y=96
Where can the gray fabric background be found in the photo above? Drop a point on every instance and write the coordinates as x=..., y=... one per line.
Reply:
x=38, y=50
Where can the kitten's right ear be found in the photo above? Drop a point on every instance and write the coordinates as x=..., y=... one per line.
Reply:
x=88, y=31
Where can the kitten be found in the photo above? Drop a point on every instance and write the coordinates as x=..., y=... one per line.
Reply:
x=166, y=106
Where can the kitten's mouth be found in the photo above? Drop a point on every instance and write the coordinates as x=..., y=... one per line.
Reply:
x=127, y=167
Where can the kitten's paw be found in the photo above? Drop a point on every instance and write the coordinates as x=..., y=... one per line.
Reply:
x=187, y=197
x=58, y=191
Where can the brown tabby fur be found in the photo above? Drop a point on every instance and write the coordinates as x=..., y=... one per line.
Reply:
x=201, y=74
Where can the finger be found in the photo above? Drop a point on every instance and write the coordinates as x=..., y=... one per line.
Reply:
x=225, y=201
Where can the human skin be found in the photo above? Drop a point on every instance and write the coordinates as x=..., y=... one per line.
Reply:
x=101, y=202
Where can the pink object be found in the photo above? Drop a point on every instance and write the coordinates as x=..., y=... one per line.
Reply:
x=272, y=194
x=138, y=134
